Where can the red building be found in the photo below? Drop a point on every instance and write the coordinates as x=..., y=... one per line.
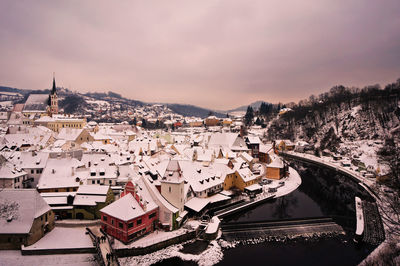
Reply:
x=131, y=216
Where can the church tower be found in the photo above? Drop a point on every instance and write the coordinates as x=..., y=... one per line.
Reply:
x=53, y=98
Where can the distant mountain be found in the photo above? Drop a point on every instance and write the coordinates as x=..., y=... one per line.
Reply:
x=9, y=89
x=191, y=110
x=243, y=108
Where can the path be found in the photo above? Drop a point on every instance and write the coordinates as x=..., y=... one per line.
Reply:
x=105, y=247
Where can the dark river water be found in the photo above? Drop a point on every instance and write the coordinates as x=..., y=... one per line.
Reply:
x=323, y=192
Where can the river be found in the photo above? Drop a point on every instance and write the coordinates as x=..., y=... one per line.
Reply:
x=323, y=192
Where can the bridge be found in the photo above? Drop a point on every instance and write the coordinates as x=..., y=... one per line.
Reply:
x=283, y=228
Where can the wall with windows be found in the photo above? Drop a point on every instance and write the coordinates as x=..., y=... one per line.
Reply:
x=127, y=231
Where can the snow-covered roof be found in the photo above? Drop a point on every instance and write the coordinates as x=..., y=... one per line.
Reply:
x=8, y=171
x=254, y=187
x=20, y=207
x=197, y=204
x=36, y=103
x=173, y=172
x=276, y=163
x=246, y=174
x=59, y=173
x=246, y=156
x=88, y=200
x=253, y=140
x=29, y=160
x=93, y=190
x=127, y=208
x=69, y=133
x=265, y=148
x=62, y=200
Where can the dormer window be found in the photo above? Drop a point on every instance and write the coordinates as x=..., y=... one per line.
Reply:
x=102, y=172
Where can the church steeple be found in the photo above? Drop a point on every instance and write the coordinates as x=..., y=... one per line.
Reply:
x=53, y=99
x=53, y=90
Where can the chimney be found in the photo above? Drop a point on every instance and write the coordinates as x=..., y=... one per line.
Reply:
x=72, y=171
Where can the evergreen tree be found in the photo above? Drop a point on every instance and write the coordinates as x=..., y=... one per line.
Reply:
x=248, y=118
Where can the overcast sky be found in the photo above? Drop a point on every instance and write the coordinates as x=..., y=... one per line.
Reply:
x=216, y=54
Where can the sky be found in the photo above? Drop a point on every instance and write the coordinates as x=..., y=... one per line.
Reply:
x=214, y=54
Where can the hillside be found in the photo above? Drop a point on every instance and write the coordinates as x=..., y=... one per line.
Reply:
x=243, y=108
x=191, y=110
x=342, y=115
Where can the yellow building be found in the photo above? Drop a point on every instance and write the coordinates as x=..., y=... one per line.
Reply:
x=196, y=123
x=212, y=121
x=227, y=122
x=240, y=179
x=60, y=122
x=276, y=169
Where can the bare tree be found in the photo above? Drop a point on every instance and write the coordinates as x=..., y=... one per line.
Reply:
x=390, y=194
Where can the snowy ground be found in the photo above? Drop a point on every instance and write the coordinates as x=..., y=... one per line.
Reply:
x=211, y=256
x=14, y=257
x=292, y=182
x=63, y=238
x=150, y=239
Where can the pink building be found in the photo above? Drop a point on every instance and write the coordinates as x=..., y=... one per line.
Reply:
x=131, y=216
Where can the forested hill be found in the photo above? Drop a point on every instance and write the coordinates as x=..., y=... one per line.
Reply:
x=342, y=114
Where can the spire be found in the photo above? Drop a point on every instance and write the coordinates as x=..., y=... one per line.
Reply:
x=53, y=90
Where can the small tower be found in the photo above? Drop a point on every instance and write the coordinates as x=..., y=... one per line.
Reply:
x=53, y=98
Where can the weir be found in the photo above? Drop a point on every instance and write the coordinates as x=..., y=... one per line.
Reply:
x=304, y=227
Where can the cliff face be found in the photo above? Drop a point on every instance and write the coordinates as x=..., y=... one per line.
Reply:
x=342, y=115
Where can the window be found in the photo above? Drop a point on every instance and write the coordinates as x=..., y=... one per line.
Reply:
x=93, y=182
x=32, y=171
x=139, y=221
x=121, y=225
x=46, y=217
x=105, y=218
x=110, y=182
x=130, y=225
x=112, y=221
x=169, y=189
x=98, y=181
x=152, y=215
